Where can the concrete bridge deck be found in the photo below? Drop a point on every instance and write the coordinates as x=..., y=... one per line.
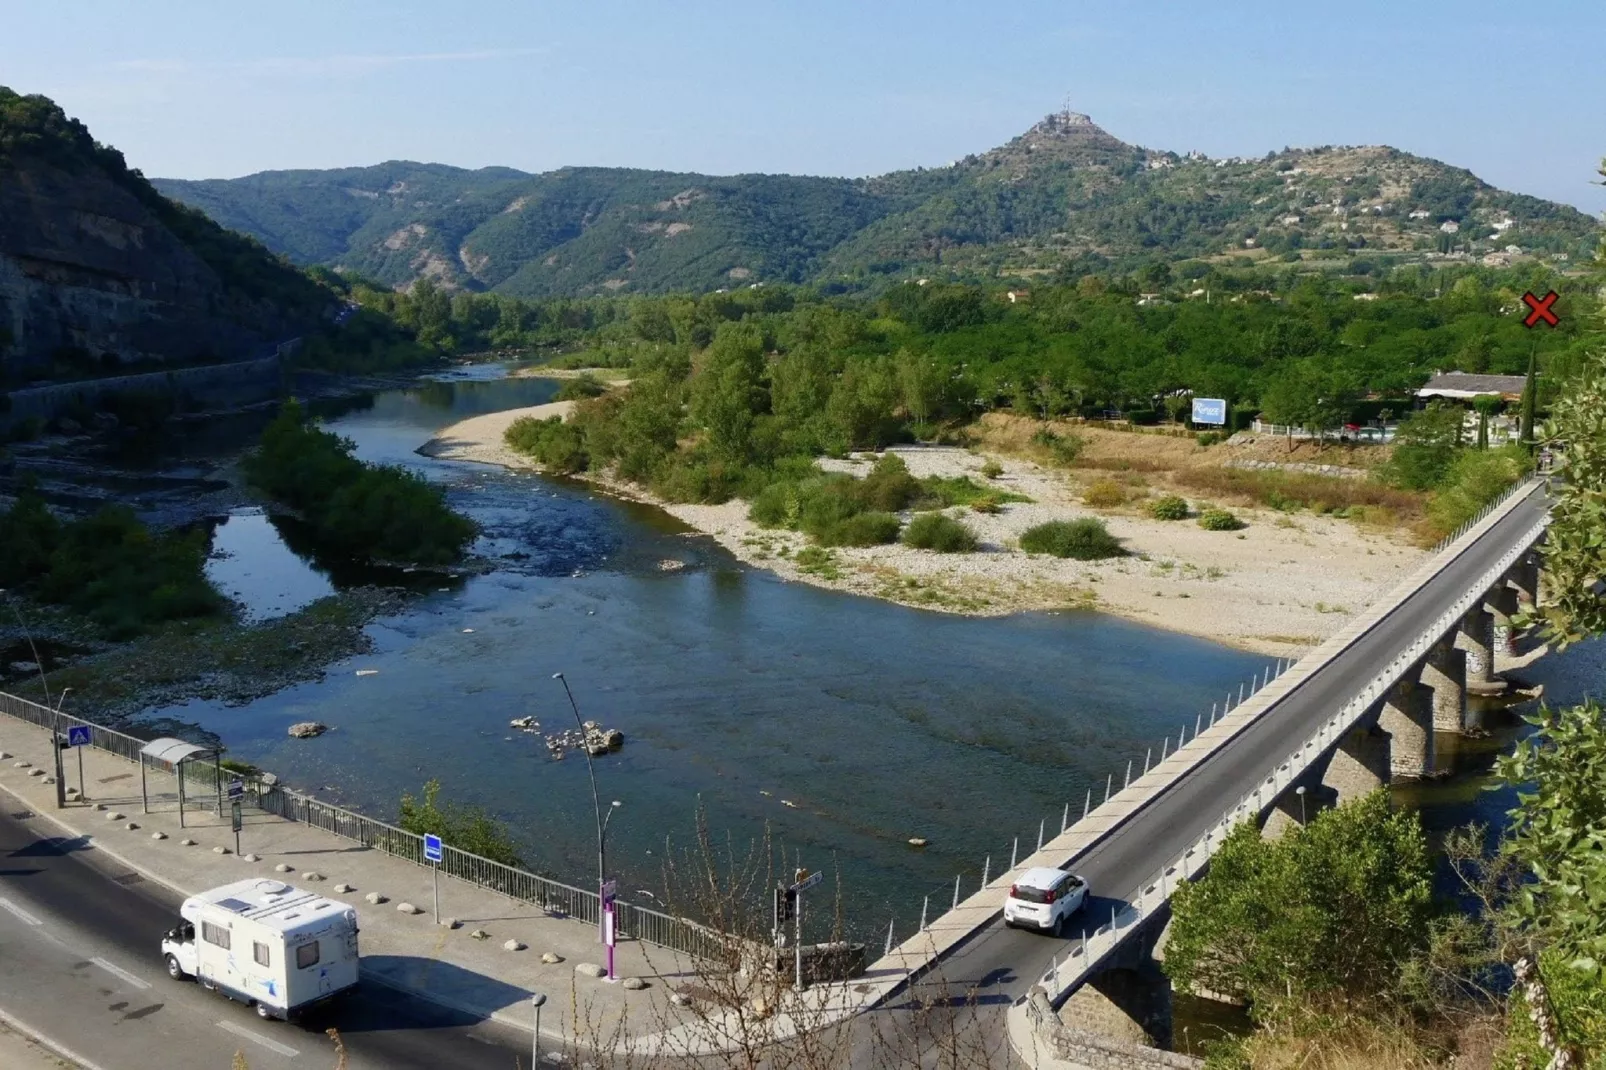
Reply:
x=1121, y=846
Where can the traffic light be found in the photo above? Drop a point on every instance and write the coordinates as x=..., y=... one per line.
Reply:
x=785, y=905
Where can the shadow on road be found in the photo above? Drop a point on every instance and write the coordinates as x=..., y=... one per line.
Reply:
x=378, y=1004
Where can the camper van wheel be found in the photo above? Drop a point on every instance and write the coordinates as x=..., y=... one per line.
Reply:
x=174, y=970
x=264, y=1012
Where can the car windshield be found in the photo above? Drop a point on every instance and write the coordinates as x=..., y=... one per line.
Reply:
x=1028, y=894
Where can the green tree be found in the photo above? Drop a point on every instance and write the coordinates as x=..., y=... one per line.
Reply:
x=1487, y=405
x=1530, y=398
x=1575, y=545
x=468, y=828
x=728, y=392
x=1331, y=913
x=1425, y=445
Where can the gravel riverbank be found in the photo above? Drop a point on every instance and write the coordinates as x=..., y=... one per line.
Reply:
x=1281, y=585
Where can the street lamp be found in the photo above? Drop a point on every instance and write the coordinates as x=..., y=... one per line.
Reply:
x=1300, y=791
x=55, y=730
x=536, y=1000
x=596, y=805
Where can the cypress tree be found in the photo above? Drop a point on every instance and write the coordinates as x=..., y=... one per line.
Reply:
x=1528, y=400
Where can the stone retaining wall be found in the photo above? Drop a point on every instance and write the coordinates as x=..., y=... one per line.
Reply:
x=1336, y=471
x=1043, y=1042
x=230, y=385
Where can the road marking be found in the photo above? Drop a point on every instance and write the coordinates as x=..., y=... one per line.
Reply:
x=7, y=904
x=120, y=973
x=272, y=1045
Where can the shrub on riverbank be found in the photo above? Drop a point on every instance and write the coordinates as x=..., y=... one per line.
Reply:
x=1086, y=539
x=581, y=387
x=108, y=566
x=468, y=828
x=1219, y=520
x=944, y=534
x=370, y=512
x=1169, y=507
x=555, y=445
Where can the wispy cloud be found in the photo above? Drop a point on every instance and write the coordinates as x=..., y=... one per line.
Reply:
x=319, y=66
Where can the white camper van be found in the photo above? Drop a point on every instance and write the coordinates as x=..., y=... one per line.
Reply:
x=278, y=948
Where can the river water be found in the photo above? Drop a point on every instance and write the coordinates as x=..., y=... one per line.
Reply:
x=843, y=724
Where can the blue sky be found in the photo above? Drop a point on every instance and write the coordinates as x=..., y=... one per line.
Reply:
x=196, y=89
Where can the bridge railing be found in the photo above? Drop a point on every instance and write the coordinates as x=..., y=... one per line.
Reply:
x=1066, y=974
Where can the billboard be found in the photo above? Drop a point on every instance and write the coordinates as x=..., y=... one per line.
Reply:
x=1209, y=411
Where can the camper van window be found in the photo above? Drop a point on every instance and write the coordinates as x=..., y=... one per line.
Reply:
x=215, y=934
x=307, y=955
x=260, y=953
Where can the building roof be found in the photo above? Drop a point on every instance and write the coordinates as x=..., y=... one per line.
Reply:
x=1466, y=385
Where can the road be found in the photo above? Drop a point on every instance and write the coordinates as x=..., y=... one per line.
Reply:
x=78, y=939
x=1005, y=963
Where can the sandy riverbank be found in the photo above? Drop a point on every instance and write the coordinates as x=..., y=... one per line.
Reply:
x=1281, y=585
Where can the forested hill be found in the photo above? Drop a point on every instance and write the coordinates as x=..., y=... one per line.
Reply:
x=99, y=272
x=1066, y=192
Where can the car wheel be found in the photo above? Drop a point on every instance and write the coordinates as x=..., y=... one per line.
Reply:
x=1059, y=927
x=174, y=970
x=264, y=1012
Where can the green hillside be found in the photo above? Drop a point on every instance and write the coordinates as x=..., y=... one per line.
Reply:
x=1066, y=192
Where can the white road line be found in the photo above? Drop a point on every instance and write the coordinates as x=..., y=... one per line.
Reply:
x=120, y=973
x=272, y=1045
x=7, y=904
x=17, y=1026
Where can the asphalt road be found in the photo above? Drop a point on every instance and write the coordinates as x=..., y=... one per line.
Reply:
x=1004, y=963
x=79, y=963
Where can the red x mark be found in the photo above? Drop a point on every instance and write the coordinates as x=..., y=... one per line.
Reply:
x=1541, y=309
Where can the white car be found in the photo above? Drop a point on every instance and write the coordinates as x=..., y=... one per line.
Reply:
x=1043, y=898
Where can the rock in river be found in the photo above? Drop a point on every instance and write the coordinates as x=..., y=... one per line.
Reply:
x=308, y=729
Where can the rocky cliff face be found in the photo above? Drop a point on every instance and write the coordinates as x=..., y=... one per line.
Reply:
x=90, y=277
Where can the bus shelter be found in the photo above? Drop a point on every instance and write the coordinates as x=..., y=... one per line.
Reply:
x=183, y=759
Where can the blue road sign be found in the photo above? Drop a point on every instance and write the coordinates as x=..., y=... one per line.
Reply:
x=432, y=847
x=78, y=736
x=236, y=788
x=1209, y=411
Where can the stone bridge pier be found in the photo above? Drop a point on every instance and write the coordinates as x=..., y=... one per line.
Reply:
x=1130, y=997
x=1444, y=672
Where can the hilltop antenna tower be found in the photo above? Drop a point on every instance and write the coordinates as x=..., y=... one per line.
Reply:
x=1065, y=110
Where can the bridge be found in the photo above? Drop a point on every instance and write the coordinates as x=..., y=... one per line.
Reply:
x=1355, y=712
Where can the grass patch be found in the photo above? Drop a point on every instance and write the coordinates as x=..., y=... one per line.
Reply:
x=1105, y=494
x=1086, y=539
x=815, y=561
x=934, y=531
x=1289, y=491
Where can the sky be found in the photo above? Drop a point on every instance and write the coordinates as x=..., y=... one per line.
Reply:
x=201, y=89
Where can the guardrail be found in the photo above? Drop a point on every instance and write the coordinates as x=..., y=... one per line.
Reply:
x=641, y=923
x=1064, y=976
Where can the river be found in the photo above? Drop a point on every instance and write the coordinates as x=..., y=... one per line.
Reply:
x=843, y=724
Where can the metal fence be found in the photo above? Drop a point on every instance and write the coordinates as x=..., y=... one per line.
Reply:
x=562, y=900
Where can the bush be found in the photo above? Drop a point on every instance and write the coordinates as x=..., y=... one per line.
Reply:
x=1209, y=438
x=1219, y=520
x=860, y=529
x=555, y=445
x=1475, y=478
x=1086, y=539
x=1104, y=494
x=468, y=828
x=992, y=470
x=888, y=487
x=937, y=492
x=934, y=531
x=1169, y=507
x=1063, y=449
x=1142, y=417
x=581, y=387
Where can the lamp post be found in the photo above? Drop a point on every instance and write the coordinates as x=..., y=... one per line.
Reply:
x=55, y=730
x=536, y=1000
x=596, y=805
x=1300, y=791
